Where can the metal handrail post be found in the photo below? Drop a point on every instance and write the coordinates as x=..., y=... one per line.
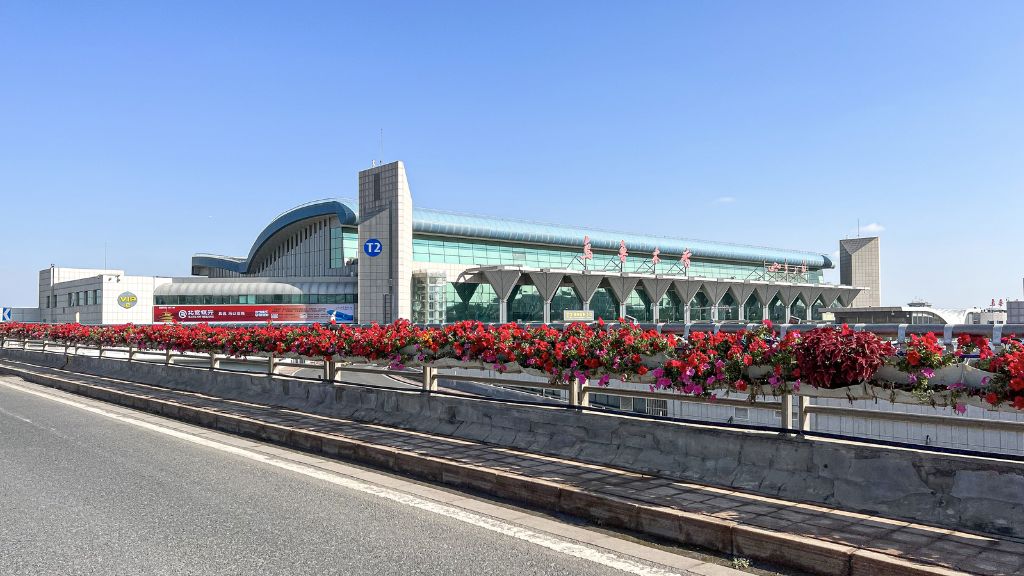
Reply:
x=429, y=379
x=787, y=411
x=803, y=414
x=578, y=395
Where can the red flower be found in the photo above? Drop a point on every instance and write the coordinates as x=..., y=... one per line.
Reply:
x=914, y=357
x=1018, y=402
x=991, y=398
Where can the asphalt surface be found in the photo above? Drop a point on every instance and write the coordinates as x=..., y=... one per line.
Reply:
x=84, y=494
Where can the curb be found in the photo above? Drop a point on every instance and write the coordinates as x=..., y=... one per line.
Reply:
x=808, y=554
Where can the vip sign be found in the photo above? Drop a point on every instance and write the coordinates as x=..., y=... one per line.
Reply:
x=127, y=300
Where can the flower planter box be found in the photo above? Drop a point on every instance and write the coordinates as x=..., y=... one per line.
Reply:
x=759, y=371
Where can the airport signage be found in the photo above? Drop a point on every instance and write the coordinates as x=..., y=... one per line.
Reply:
x=127, y=300
x=578, y=315
x=372, y=247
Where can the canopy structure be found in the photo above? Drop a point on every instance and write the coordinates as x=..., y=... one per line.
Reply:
x=547, y=281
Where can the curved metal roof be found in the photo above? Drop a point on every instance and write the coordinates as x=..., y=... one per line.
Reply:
x=427, y=221
x=257, y=288
x=439, y=222
x=305, y=211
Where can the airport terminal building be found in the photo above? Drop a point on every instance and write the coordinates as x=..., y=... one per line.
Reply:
x=379, y=258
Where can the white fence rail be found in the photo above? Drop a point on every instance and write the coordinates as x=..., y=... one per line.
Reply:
x=803, y=413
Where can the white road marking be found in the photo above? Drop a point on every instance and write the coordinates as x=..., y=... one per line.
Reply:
x=568, y=548
x=16, y=416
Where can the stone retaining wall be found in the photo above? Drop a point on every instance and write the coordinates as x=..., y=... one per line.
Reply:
x=955, y=491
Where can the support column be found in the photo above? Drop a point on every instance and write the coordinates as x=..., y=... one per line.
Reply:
x=742, y=291
x=503, y=281
x=577, y=396
x=686, y=290
x=810, y=294
x=429, y=381
x=656, y=289
x=716, y=292
x=586, y=284
x=787, y=411
x=765, y=293
x=804, y=416
x=788, y=293
x=622, y=288
x=828, y=295
x=547, y=283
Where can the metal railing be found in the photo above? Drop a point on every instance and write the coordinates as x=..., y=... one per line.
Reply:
x=795, y=412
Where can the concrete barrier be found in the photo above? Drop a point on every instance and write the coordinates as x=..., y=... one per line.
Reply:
x=960, y=492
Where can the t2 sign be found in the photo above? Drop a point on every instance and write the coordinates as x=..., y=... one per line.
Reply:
x=372, y=247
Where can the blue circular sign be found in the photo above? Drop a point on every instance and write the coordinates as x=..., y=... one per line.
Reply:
x=372, y=247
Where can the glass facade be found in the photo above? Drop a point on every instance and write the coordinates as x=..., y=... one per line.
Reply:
x=443, y=250
x=343, y=243
x=180, y=300
x=429, y=295
x=470, y=302
x=478, y=302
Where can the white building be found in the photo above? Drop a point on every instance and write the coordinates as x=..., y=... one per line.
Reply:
x=91, y=296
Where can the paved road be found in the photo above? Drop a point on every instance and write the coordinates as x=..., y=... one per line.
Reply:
x=84, y=493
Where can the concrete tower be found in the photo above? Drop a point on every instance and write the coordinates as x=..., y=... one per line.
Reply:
x=385, y=244
x=859, y=266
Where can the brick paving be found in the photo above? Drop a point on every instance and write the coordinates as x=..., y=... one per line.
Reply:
x=968, y=552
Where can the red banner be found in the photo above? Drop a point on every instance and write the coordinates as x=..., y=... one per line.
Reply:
x=248, y=313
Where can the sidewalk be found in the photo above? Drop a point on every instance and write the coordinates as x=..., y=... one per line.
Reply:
x=809, y=537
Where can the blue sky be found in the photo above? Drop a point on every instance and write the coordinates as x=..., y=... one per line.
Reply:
x=164, y=129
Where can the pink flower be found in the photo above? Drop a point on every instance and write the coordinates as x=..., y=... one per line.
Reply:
x=928, y=372
x=960, y=408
